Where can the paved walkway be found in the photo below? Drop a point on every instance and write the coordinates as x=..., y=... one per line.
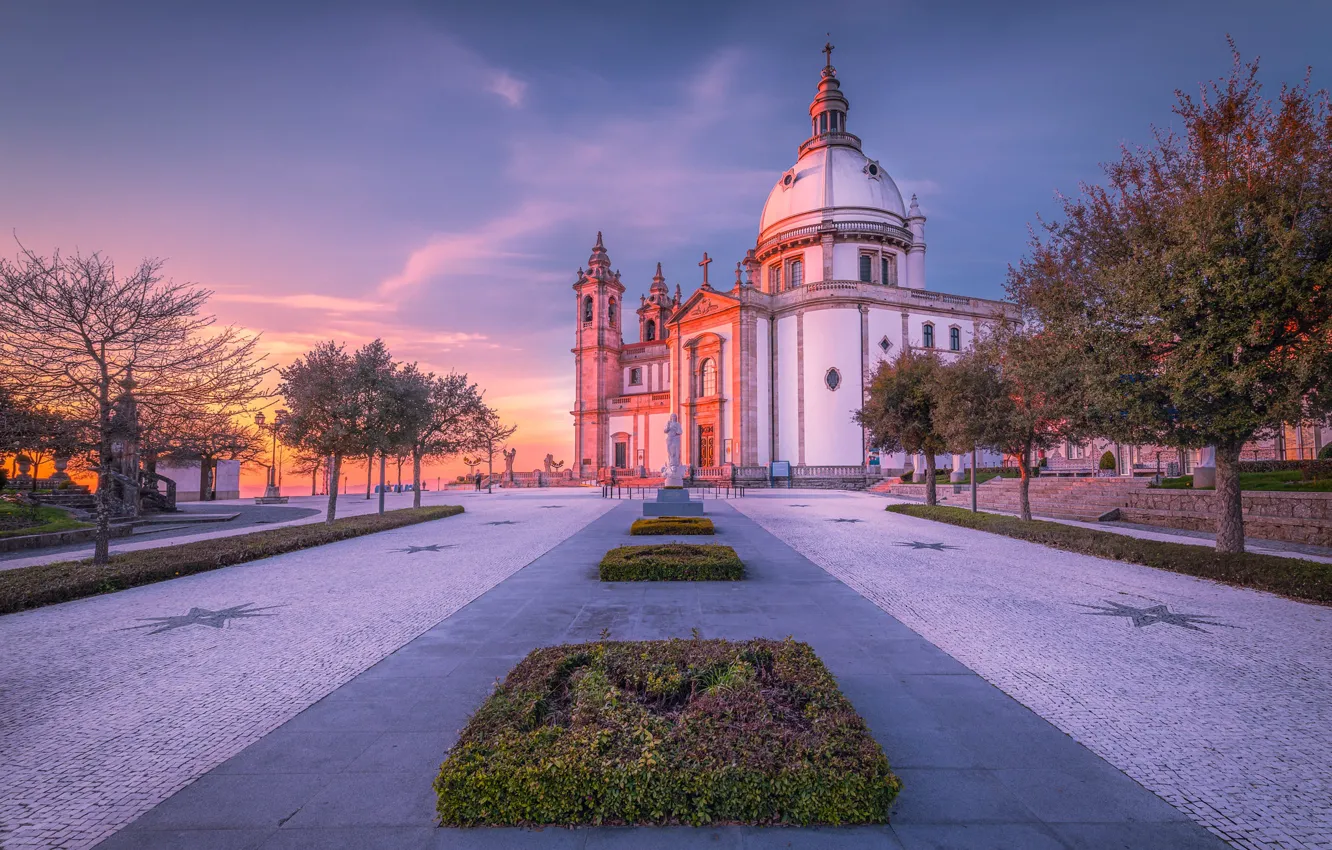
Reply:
x=299, y=511
x=1221, y=702
x=110, y=704
x=355, y=769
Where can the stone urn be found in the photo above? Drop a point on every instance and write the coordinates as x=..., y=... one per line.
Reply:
x=24, y=465
x=60, y=464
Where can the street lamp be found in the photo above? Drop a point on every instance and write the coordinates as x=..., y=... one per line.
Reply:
x=279, y=420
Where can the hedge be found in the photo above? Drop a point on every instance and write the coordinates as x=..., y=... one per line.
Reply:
x=673, y=525
x=672, y=562
x=46, y=584
x=1298, y=579
x=666, y=732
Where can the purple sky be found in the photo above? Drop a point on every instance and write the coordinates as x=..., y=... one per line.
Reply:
x=435, y=174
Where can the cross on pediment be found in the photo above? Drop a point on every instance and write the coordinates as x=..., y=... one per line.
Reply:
x=706, y=261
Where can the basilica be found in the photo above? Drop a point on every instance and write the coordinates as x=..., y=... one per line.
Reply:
x=765, y=371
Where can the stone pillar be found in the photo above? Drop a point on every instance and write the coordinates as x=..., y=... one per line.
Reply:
x=1204, y=474
x=957, y=475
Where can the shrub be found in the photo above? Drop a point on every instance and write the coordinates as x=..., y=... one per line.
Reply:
x=673, y=525
x=666, y=732
x=46, y=584
x=1326, y=453
x=1292, y=577
x=672, y=562
x=906, y=477
x=1108, y=462
x=4, y=478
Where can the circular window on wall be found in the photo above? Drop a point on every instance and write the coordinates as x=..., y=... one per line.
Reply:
x=874, y=170
x=788, y=179
x=833, y=379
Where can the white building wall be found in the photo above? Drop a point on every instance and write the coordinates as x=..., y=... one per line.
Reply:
x=832, y=340
x=846, y=264
x=788, y=447
x=763, y=398
x=227, y=484
x=884, y=322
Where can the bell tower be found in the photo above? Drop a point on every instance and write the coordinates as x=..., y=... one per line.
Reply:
x=599, y=321
x=655, y=310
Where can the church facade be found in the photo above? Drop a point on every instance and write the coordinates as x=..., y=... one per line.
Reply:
x=771, y=366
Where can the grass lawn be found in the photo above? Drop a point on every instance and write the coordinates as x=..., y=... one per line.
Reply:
x=1284, y=481
x=45, y=584
x=1299, y=579
x=672, y=562
x=673, y=525
x=16, y=521
x=666, y=732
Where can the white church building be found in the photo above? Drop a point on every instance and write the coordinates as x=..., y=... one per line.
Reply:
x=770, y=367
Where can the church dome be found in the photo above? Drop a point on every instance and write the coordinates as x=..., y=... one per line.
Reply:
x=832, y=179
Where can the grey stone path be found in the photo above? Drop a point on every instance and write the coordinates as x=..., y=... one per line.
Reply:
x=110, y=704
x=1228, y=722
x=355, y=769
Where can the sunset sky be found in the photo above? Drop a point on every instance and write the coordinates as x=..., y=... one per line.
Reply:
x=435, y=173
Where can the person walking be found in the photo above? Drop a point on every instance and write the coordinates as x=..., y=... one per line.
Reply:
x=478, y=482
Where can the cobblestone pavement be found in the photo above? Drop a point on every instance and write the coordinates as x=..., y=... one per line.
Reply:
x=1225, y=717
x=108, y=705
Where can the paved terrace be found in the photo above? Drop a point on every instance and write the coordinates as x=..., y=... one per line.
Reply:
x=355, y=769
x=109, y=705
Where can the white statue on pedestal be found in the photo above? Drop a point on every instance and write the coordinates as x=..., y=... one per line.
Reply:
x=673, y=472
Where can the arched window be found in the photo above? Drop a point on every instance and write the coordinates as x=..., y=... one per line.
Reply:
x=928, y=333
x=866, y=265
x=955, y=339
x=797, y=276
x=610, y=312
x=587, y=309
x=708, y=378
x=650, y=331
x=774, y=277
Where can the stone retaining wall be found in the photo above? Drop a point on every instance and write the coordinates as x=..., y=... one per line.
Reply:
x=1291, y=517
x=58, y=538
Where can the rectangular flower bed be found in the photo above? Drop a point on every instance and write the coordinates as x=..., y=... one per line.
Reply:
x=672, y=562
x=673, y=525
x=666, y=732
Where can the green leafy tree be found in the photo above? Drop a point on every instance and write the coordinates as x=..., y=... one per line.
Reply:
x=1198, y=280
x=323, y=412
x=452, y=407
x=899, y=411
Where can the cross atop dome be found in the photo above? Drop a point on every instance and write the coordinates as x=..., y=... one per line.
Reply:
x=827, y=51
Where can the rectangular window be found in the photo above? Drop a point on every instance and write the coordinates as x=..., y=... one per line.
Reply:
x=797, y=275
x=774, y=277
x=955, y=339
x=635, y=377
x=928, y=334
x=889, y=269
x=621, y=455
x=866, y=267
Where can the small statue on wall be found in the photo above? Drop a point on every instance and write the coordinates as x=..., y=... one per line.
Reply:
x=509, y=455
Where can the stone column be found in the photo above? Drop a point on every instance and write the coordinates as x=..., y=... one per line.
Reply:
x=956, y=476
x=1204, y=474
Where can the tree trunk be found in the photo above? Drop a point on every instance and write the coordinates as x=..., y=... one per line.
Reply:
x=1024, y=486
x=416, y=479
x=1229, y=499
x=314, y=481
x=102, y=540
x=369, y=473
x=931, y=490
x=383, y=462
x=333, y=491
x=490, y=465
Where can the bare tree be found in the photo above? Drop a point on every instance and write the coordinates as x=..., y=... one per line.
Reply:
x=207, y=439
x=488, y=436
x=75, y=330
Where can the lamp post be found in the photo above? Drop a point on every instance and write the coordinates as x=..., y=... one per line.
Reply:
x=279, y=419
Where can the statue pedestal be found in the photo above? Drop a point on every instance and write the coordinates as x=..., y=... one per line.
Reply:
x=671, y=502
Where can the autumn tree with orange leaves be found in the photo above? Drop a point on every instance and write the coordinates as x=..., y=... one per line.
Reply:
x=1196, y=285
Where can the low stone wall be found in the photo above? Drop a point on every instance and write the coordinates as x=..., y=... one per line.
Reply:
x=58, y=538
x=1290, y=517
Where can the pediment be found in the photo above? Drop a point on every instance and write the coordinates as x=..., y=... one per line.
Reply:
x=703, y=303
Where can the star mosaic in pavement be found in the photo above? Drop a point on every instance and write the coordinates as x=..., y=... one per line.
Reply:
x=433, y=547
x=797, y=506
x=201, y=617
x=502, y=522
x=916, y=544
x=839, y=519
x=550, y=506
x=1142, y=617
